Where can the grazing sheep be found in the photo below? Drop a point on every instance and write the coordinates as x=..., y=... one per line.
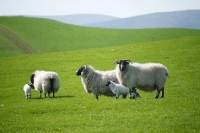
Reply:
x=46, y=82
x=94, y=81
x=27, y=89
x=118, y=89
x=146, y=77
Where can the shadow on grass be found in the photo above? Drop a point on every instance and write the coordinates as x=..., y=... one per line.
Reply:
x=53, y=97
x=65, y=96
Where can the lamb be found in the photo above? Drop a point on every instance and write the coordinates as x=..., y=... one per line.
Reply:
x=94, y=81
x=45, y=81
x=146, y=77
x=118, y=89
x=27, y=89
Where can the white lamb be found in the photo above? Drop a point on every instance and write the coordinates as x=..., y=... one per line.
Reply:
x=94, y=81
x=118, y=89
x=146, y=77
x=27, y=90
x=45, y=81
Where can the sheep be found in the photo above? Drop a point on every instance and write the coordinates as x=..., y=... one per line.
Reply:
x=45, y=81
x=27, y=89
x=94, y=81
x=146, y=77
x=118, y=89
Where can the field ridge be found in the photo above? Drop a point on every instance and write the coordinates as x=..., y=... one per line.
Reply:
x=9, y=35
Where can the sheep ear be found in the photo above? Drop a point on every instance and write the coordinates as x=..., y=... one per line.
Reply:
x=128, y=61
x=116, y=62
x=83, y=67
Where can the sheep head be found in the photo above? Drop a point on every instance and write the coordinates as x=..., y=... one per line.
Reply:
x=31, y=85
x=80, y=70
x=122, y=64
x=109, y=82
x=32, y=78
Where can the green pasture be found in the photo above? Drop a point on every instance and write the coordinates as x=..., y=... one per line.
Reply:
x=76, y=111
x=43, y=35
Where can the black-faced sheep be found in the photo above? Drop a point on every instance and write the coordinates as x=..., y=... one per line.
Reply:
x=44, y=81
x=146, y=77
x=94, y=81
x=118, y=89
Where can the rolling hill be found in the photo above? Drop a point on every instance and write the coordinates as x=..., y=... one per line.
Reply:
x=79, y=19
x=44, y=35
x=178, y=19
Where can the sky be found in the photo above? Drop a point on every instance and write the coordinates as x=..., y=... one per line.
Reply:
x=117, y=8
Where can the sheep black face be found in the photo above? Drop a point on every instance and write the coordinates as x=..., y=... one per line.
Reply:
x=32, y=80
x=108, y=83
x=80, y=70
x=122, y=64
x=31, y=85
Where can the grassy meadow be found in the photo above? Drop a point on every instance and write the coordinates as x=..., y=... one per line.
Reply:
x=43, y=35
x=76, y=111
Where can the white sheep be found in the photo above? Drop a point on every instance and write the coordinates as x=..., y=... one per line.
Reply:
x=94, y=81
x=146, y=77
x=27, y=90
x=118, y=89
x=45, y=81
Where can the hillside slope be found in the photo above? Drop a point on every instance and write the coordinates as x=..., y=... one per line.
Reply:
x=43, y=35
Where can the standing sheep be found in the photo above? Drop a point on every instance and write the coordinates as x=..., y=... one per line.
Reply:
x=94, y=81
x=27, y=90
x=46, y=82
x=146, y=77
x=118, y=89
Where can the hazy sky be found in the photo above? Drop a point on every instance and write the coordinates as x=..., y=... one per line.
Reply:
x=117, y=8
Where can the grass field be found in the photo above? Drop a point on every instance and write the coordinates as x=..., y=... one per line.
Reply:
x=43, y=35
x=76, y=111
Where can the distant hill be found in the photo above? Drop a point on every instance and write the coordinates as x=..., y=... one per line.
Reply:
x=80, y=19
x=177, y=19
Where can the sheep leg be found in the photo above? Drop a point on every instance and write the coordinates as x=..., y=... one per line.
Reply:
x=49, y=94
x=124, y=96
x=117, y=96
x=41, y=94
x=97, y=97
x=53, y=94
x=133, y=94
x=137, y=95
x=162, y=96
x=158, y=93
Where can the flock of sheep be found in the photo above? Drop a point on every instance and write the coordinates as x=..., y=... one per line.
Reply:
x=121, y=81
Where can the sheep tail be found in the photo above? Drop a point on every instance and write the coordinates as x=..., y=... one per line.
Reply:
x=167, y=74
x=51, y=84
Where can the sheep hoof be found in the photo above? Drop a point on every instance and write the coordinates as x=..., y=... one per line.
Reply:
x=138, y=95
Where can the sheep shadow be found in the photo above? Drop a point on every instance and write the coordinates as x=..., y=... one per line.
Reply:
x=38, y=98
x=69, y=96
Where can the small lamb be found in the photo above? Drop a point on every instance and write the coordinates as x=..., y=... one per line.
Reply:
x=118, y=89
x=27, y=89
